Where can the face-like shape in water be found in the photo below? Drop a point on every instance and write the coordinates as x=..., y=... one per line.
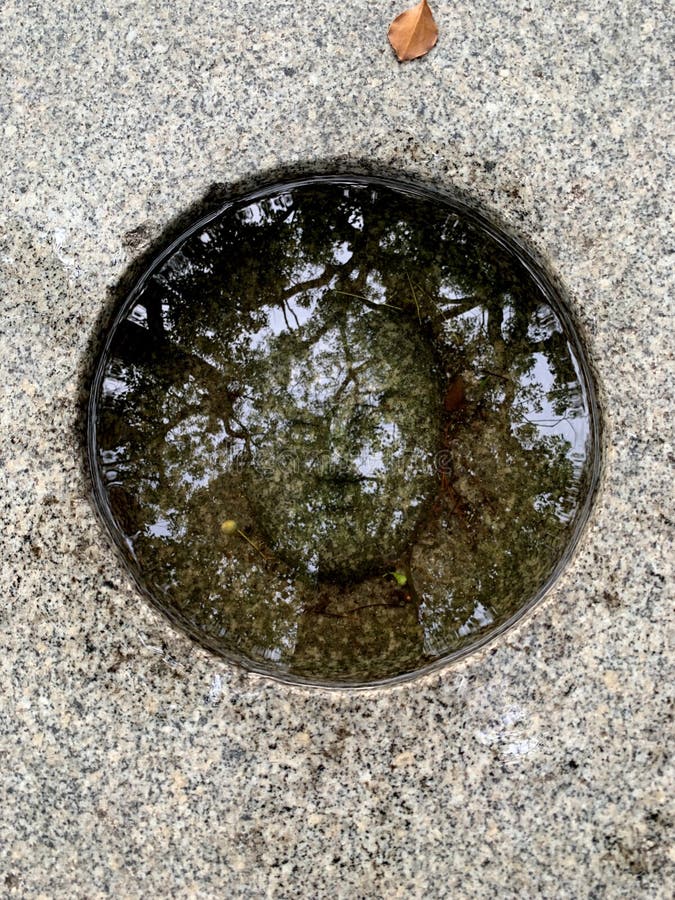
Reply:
x=344, y=419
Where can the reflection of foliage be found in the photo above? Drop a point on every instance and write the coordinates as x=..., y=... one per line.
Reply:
x=343, y=426
x=173, y=440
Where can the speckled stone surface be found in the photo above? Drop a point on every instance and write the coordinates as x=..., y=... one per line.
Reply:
x=133, y=764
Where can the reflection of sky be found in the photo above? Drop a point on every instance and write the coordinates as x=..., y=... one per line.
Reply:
x=139, y=316
x=341, y=253
x=480, y=617
x=305, y=271
x=114, y=387
x=377, y=293
x=356, y=220
x=538, y=409
x=263, y=211
x=195, y=454
x=543, y=324
x=435, y=634
x=474, y=322
x=163, y=527
x=449, y=291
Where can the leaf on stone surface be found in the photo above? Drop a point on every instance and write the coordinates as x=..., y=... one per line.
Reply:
x=414, y=32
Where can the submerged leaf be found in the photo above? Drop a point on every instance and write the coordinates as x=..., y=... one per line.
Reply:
x=414, y=32
x=455, y=396
x=400, y=577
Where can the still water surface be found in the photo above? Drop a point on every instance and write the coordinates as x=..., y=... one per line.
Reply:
x=343, y=430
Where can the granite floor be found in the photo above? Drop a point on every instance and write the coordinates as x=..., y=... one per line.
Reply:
x=134, y=764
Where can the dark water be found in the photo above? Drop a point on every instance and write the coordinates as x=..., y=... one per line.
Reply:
x=342, y=430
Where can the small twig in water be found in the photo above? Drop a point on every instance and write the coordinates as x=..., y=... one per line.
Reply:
x=417, y=306
x=366, y=300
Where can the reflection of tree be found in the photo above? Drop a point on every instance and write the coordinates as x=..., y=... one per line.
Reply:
x=174, y=445
x=353, y=429
x=501, y=524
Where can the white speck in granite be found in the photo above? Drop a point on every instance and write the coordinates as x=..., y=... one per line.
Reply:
x=135, y=764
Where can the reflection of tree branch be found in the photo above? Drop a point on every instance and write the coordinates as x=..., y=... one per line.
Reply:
x=138, y=346
x=292, y=312
x=322, y=280
x=495, y=317
x=351, y=377
x=368, y=303
x=494, y=374
x=283, y=313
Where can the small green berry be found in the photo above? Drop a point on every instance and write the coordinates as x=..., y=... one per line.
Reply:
x=229, y=526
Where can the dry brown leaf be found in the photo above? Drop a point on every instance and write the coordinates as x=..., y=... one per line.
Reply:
x=414, y=32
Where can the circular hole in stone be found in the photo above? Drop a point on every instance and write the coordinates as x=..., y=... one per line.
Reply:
x=342, y=431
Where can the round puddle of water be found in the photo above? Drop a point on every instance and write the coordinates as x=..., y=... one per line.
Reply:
x=342, y=430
